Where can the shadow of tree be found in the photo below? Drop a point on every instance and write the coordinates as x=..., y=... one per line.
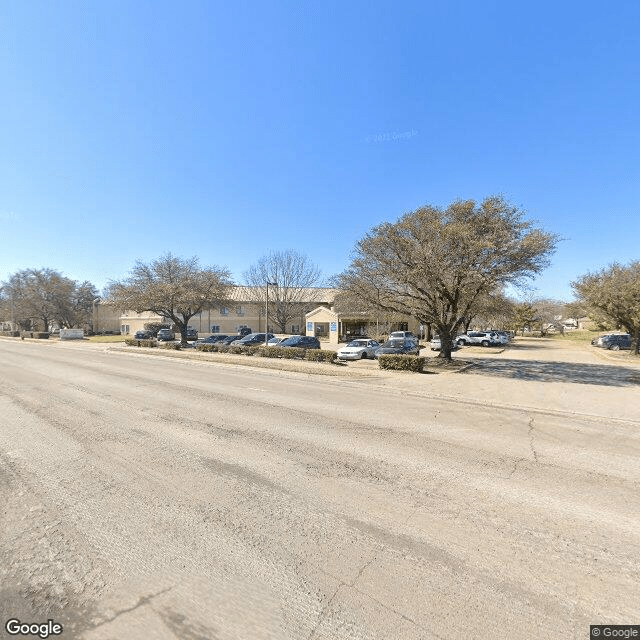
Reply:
x=545, y=371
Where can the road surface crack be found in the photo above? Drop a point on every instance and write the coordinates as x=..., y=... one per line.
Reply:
x=141, y=602
x=530, y=433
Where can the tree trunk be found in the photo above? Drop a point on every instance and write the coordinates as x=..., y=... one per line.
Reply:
x=446, y=345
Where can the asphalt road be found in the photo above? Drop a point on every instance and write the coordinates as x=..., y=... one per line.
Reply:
x=148, y=497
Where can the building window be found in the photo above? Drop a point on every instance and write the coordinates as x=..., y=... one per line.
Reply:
x=239, y=311
x=224, y=311
x=295, y=328
x=215, y=328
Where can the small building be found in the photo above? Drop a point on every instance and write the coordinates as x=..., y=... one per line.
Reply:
x=333, y=326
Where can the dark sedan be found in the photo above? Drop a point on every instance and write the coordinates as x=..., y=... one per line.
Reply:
x=143, y=335
x=398, y=346
x=305, y=342
x=255, y=338
x=212, y=339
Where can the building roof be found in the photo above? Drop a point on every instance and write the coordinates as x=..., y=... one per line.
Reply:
x=241, y=293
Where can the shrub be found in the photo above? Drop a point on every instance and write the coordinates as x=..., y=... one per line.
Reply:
x=281, y=352
x=10, y=334
x=223, y=348
x=175, y=346
x=207, y=347
x=34, y=334
x=401, y=363
x=132, y=342
x=320, y=355
x=269, y=352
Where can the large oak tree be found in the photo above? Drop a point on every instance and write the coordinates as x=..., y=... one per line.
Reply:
x=172, y=287
x=436, y=264
x=615, y=292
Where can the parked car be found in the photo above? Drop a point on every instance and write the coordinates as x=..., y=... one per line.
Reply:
x=275, y=341
x=192, y=334
x=254, y=338
x=483, y=338
x=245, y=331
x=436, y=345
x=229, y=339
x=403, y=334
x=402, y=346
x=358, y=350
x=143, y=335
x=165, y=335
x=616, y=342
x=306, y=342
x=210, y=339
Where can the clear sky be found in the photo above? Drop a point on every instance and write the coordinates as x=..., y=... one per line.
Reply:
x=228, y=129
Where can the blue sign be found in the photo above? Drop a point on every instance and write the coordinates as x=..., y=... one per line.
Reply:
x=309, y=326
x=334, y=326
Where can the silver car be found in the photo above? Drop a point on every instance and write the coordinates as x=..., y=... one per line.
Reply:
x=358, y=350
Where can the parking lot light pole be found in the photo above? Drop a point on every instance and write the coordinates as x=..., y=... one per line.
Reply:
x=266, y=315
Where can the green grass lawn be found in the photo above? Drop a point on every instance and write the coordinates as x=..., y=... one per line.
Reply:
x=576, y=336
x=106, y=338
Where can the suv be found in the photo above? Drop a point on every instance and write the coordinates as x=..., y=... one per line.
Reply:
x=484, y=338
x=164, y=335
x=616, y=342
x=306, y=342
x=192, y=334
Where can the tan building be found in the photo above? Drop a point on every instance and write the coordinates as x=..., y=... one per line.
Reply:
x=105, y=317
x=239, y=311
x=333, y=326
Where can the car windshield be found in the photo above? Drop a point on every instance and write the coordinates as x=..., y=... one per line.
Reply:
x=357, y=343
x=394, y=344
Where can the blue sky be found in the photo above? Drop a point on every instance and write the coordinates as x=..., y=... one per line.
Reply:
x=229, y=129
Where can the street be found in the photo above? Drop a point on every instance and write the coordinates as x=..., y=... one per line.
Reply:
x=153, y=497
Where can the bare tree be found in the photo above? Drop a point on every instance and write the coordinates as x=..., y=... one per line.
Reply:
x=291, y=277
x=171, y=287
x=436, y=264
x=42, y=296
x=615, y=292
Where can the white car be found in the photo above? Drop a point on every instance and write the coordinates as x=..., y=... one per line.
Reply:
x=358, y=350
x=436, y=345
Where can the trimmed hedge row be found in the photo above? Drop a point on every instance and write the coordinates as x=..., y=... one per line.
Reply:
x=173, y=346
x=140, y=343
x=401, y=363
x=10, y=334
x=43, y=335
x=289, y=353
x=320, y=355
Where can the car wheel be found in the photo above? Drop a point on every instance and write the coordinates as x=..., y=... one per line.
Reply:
x=462, y=343
x=363, y=355
x=615, y=347
x=485, y=343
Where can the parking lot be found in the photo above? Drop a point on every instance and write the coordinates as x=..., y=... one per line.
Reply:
x=166, y=495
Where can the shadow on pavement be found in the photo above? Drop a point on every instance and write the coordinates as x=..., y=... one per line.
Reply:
x=544, y=371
